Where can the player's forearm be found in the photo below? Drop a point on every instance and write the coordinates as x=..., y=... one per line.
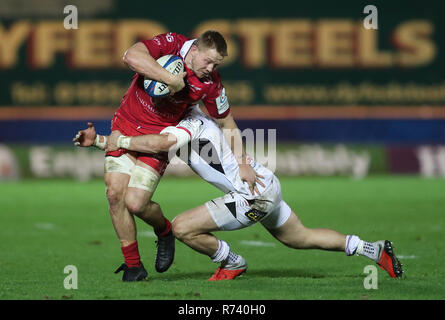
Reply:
x=152, y=143
x=232, y=135
x=168, y=139
x=138, y=59
x=237, y=147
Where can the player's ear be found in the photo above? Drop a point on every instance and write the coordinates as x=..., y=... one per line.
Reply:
x=194, y=48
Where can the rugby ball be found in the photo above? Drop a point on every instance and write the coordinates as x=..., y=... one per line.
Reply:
x=172, y=64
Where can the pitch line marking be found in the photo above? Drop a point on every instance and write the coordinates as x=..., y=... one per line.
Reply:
x=45, y=225
x=147, y=234
x=257, y=243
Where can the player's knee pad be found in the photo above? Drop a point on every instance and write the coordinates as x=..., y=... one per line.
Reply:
x=143, y=178
x=122, y=164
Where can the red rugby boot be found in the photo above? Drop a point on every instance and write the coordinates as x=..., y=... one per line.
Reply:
x=230, y=271
x=387, y=260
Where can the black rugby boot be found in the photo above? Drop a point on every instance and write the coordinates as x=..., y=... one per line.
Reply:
x=133, y=273
x=165, y=252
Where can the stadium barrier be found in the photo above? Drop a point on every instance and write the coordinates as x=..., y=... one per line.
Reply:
x=352, y=141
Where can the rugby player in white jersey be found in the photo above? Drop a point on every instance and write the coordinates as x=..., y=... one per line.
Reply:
x=210, y=156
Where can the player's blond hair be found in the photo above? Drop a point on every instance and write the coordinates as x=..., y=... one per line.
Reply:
x=212, y=39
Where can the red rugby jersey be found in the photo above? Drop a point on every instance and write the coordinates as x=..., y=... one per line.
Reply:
x=149, y=113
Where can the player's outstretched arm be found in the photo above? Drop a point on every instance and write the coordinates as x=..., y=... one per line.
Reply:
x=170, y=138
x=149, y=143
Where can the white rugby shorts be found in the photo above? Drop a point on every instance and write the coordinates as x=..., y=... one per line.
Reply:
x=233, y=211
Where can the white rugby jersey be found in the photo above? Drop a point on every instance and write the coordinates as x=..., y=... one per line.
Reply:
x=212, y=159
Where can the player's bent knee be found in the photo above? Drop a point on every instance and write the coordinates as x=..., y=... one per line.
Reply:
x=177, y=229
x=115, y=195
x=135, y=205
x=116, y=186
x=180, y=229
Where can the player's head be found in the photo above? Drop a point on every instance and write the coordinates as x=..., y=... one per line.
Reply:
x=206, y=53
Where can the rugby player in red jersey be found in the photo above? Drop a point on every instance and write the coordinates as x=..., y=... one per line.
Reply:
x=132, y=177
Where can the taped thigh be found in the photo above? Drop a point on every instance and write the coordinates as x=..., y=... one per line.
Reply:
x=143, y=178
x=121, y=164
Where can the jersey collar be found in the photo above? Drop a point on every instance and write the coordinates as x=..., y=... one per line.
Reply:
x=186, y=47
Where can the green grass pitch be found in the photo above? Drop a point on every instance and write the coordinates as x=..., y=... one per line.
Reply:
x=47, y=225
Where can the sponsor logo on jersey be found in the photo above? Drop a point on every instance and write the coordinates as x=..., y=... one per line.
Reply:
x=169, y=37
x=151, y=108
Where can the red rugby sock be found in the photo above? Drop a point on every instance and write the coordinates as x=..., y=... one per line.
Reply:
x=167, y=229
x=131, y=255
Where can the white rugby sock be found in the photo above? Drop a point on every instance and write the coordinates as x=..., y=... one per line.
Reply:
x=367, y=249
x=222, y=253
x=351, y=245
x=232, y=258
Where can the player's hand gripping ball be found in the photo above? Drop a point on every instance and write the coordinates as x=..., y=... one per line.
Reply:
x=171, y=63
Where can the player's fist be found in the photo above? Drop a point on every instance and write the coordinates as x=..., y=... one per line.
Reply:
x=177, y=83
x=86, y=137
